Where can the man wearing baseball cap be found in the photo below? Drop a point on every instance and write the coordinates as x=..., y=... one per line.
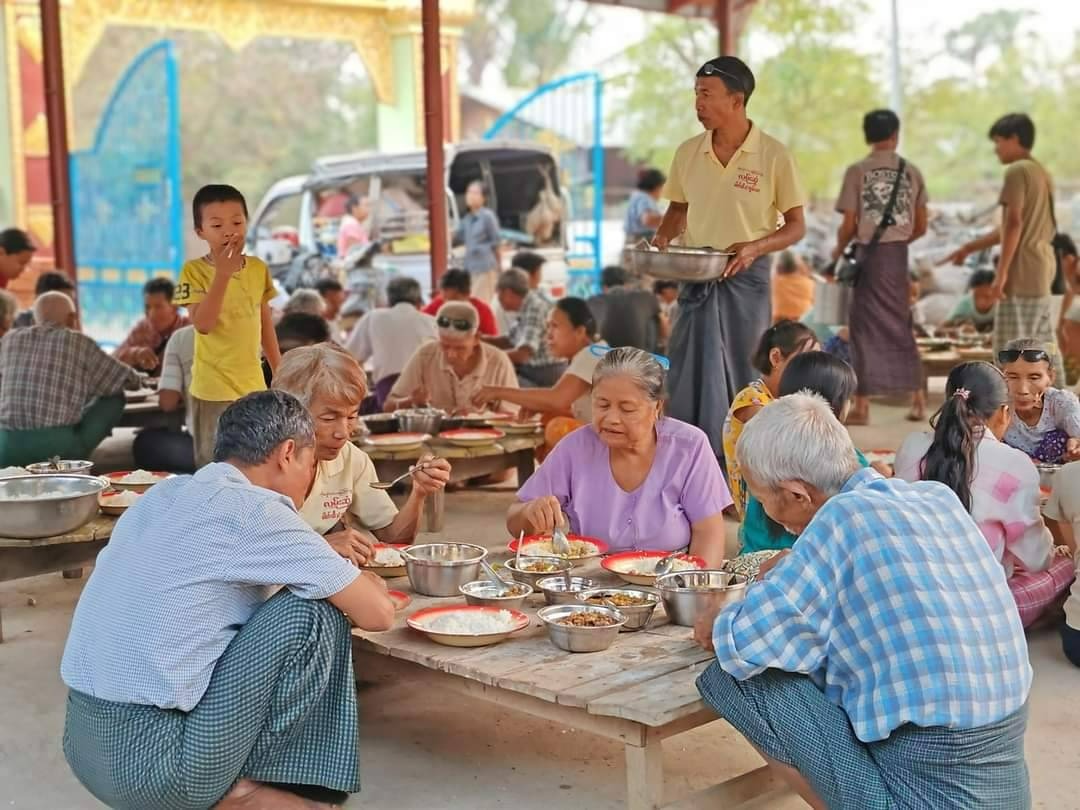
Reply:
x=16, y=251
x=729, y=188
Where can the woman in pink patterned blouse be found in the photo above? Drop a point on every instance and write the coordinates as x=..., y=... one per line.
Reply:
x=998, y=484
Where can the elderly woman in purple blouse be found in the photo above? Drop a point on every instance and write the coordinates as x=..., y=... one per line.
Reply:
x=633, y=478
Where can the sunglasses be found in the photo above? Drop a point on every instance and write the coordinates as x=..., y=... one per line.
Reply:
x=599, y=350
x=712, y=70
x=457, y=324
x=1006, y=356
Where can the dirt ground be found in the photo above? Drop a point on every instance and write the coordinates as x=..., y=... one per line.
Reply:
x=420, y=750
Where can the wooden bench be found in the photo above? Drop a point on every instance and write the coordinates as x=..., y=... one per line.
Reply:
x=65, y=552
x=148, y=414
x=511, y=452
x=638, y=692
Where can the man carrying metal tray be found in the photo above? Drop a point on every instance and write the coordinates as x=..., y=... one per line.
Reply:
x=728, y=188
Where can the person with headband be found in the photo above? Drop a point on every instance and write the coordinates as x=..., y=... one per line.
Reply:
x=728, y=187
x=1046, y=423
x=448, y=373
x=635, y=478
x=997, y=484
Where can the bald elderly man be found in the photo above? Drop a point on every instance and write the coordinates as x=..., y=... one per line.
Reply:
x=60, y=394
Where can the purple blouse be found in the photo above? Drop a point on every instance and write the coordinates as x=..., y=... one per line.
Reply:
x=684, y=486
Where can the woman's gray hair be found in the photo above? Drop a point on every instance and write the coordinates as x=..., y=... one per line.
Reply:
x=9, y=308
x=254, y=426
x=644, y=369
x=1027, y=344
x=797, y=438
x=306, y=301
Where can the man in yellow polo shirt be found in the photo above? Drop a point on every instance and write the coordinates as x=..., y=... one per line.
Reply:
x=731, y=188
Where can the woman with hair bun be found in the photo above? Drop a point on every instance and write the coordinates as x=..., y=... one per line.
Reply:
x=997, y=484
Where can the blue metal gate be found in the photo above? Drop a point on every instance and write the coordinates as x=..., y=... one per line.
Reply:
x=566, y=115
x=126, y=196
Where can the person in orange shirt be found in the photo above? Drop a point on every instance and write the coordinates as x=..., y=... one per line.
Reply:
x=792, y=288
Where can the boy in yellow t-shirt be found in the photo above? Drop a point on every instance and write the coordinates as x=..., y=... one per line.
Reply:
x=227, y=295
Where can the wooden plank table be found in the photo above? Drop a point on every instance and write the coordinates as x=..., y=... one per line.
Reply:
x=148, y=414
x=64, y=552
x=939, y=364
x=511, y=452
x=638, y=692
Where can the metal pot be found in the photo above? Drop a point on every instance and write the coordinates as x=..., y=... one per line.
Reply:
x=531, y=578
x=485, y=593
x=48, y=504
x=379, y=423
x=580, y=639
x=557, y=593
x=420, y=420
x=685, y=593
x=637, y=616
x=62, y=466
x=440, y=569
x=695, y=265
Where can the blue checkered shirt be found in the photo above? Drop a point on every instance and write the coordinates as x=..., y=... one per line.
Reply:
x=186, y=567
x=893, y=603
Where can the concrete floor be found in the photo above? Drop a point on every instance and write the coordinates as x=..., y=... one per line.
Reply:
x=420, y=750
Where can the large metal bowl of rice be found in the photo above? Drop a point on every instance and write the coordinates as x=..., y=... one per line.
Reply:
x=47, y=505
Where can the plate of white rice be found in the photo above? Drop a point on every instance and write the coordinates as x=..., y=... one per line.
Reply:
x=388, y=561
x=137, y=480
x=466, y=626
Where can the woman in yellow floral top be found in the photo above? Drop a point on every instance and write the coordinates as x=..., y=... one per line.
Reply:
x=781, y=342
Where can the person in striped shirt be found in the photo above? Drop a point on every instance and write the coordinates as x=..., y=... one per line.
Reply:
x=880, y=663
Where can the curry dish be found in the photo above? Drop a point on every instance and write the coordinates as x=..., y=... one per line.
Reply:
x=587, y=618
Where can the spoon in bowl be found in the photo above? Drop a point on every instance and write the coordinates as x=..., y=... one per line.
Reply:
x=665, y=564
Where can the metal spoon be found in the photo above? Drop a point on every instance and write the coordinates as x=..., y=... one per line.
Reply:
x=402, y=477
x=559, y=544
x=665, y=564
x=493, y=575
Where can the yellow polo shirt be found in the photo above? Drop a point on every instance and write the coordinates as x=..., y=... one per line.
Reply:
x=228, y=361
x=739, y=202
x=343, y=485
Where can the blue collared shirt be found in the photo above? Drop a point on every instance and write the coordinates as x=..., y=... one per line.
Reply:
x=186, y=567
x=893, y=603
x=479, y=231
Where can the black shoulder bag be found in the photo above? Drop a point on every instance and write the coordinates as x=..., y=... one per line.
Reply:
x=848, y=268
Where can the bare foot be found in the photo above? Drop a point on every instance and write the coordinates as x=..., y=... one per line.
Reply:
x=248, y=795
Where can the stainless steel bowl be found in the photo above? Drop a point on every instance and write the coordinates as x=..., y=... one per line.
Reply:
x=532, y=578
x=379, y=423
x=420, y=420
x=484, y=592
x=679, y=263
x=637, y=616
x=440, y=569
x=580, y=639
x=47, y=505
x=556, y=593
x=64, y=466
x=684, y=593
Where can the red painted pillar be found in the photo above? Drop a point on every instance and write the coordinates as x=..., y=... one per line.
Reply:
x=725, y=26
x=433, y=137
x=56, y=117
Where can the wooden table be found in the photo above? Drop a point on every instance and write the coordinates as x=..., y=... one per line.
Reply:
x=467, y=462
x=148, y=414
x=64, y=552
x=939, y=364
x=638, y=692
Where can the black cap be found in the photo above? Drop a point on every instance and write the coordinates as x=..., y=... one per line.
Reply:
x=15, y=241
x=733, y=72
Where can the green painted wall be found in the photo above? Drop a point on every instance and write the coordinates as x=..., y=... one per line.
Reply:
x=7, y=183
x=397, y=121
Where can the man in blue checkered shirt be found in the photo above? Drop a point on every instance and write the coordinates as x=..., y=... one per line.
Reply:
x=881, y=662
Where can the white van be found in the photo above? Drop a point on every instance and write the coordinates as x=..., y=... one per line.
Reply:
x=301, y=213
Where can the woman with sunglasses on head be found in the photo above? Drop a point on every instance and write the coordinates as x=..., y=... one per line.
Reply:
x=996, y=483
x=566, y=406
x=1047, y=419
x=633, y=478
x=448, y=372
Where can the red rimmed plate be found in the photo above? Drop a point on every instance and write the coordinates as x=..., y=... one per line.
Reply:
x=540, y=546
x=620, y=564
x=114, y=509
x=397, y=442
x=400, y=599
x=387, y=571
x=472, y=437
x=116, y=480
x=420, y=621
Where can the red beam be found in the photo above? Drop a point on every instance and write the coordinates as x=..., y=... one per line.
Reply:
x=433, y=136
x=56, y=117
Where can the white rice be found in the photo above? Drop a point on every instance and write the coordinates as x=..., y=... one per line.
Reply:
x=138, y=477
x=545, y=548
x=125, y=498
x=388, y=558
x=646, y=568
x=13, y=472
x=471, y=623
